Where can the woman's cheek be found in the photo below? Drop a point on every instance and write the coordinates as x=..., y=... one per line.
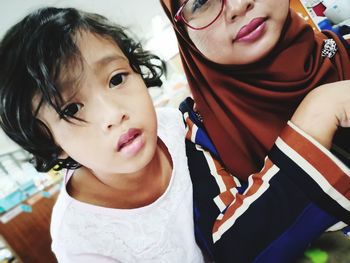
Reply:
x=206, y=42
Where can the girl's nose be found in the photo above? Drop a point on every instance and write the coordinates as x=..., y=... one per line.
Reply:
x=236, y=8
x=112, y=114
x=115, y=121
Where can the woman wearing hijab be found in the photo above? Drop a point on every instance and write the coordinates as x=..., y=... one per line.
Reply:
x=249, y=64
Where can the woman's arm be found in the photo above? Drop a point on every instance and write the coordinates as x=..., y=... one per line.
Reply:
x=323, y=110
x=301, y=191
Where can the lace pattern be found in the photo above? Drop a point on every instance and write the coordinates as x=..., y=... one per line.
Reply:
x=159, y=232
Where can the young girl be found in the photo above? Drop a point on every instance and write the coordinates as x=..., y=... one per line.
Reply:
x=249, y=64
x=73, y=93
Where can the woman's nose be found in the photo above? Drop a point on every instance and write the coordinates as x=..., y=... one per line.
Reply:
x=236, y=8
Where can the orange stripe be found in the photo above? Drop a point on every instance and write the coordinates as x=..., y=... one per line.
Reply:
x=225, y=196
x=225, y=176
x=320, y=161
x=239, y=199
x=190, y=126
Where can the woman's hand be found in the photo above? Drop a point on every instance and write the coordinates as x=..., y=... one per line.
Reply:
x=323, y=110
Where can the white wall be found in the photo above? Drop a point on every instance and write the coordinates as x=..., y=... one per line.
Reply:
x=135, y=13
x=6, y=145
x=143, y=17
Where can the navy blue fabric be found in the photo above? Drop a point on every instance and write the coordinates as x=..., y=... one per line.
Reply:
x=276, y=227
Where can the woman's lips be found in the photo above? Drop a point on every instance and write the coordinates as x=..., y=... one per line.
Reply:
x=130, y=142
x=251, y=31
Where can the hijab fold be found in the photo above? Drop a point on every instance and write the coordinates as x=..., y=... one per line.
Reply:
x=244, y=108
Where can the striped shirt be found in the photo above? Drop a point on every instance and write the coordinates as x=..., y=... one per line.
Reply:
x=301, y=191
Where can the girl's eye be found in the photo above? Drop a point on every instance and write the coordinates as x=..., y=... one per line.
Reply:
x=71, y=109
x=117, y=79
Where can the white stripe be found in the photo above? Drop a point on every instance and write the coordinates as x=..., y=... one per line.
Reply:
x=186, y=126
x=234, y=190
x=194, y=133
x=250, y=178
x=250, y=183
x=213, y=171
x=321, y=148
x=219, y=203
x=314, y=174
x=237, y=182
x=246, y=203
x=338, y=226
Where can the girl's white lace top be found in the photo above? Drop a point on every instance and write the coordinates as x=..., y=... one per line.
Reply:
x=160, y=232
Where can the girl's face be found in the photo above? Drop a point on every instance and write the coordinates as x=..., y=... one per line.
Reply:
x=245, y=32
x=119, y=134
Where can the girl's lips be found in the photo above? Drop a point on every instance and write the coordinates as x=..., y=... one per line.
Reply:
x=132, y=147
x=128, y=138
x=251, y=31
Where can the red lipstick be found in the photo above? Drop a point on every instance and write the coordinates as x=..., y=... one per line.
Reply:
x=251, y=31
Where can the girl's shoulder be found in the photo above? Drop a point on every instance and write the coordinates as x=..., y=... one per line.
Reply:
x=168, y=116
x=170, y=122
x=59, y=210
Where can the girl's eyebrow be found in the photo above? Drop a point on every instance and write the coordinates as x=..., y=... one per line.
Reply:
x=70, y=86
x=102, y=62
x=67, y=100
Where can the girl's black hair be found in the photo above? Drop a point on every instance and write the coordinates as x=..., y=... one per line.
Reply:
x=32, y=55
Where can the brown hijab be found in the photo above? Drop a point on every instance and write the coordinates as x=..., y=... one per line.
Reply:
x=245, y=107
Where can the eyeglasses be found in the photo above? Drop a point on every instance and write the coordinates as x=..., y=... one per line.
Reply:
x=199, y=14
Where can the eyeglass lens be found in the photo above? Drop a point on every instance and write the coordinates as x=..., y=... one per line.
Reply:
x=201, y=13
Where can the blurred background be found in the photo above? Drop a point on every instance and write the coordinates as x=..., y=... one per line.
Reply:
x=27, y=197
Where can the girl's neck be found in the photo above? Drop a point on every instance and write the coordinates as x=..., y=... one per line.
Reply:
x=125, y=191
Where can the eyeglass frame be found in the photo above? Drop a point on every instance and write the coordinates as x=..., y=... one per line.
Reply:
x=179, y=16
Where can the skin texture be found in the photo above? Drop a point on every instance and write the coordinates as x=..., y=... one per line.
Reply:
x=218, y=42
x=329, y=106
x=111, y=98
